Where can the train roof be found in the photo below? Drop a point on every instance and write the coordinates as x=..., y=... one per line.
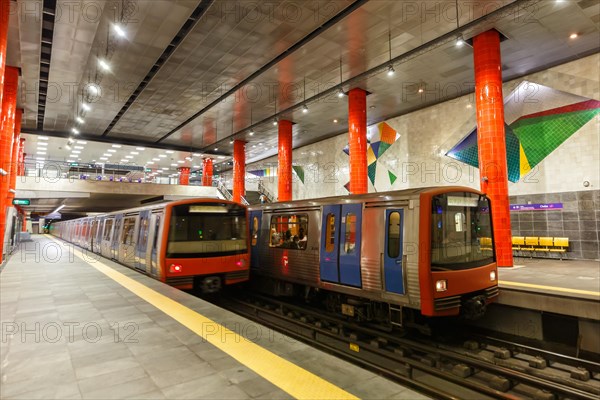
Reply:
x=160, y=205
x=366, y=197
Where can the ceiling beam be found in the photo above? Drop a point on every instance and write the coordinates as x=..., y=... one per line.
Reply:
x=189, y=24
x=331, y=22
x=48, y=15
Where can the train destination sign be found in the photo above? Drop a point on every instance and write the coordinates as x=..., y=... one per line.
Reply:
x=21, y=202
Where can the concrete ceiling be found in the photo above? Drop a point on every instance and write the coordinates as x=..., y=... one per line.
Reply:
x=191, y=75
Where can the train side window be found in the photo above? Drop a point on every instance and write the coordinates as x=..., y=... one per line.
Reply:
x=393, y=235
x=107, y=228
x=330, y=233
x=143, y=235
x=254, y=231
x=156, y=232
x=460, y=222
x=350, y=237
x=289, y=231
x=128, y=227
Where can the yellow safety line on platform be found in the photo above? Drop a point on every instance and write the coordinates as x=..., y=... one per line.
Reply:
x=296, y=381
x=554, y=288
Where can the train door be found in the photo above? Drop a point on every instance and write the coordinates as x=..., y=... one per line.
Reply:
x=98, y=237
x=93, y=233
x=127, y=243
x=106, y=237
x=116, y=237
x=329, y=254
x=255, y=218
x=393, y=272
x=141, y=245
x=340, y=244
x=155, y=243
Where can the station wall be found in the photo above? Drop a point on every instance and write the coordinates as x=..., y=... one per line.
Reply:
x=412, y=150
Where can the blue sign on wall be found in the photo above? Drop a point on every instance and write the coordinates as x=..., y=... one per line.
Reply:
x=536, y=207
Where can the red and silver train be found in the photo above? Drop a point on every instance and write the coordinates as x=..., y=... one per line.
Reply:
x=380, y=256
x=199, y=243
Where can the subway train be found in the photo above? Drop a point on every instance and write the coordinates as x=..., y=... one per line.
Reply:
x=189, y=244
x=393, y=258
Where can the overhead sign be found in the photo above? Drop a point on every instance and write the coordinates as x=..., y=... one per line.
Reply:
x=21, y=202
x=55, y=215
x=535, y=207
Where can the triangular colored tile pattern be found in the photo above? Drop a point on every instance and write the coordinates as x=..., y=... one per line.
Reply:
x=532, y=137
x=299, y=170
x=382, y=137
x=392, y=177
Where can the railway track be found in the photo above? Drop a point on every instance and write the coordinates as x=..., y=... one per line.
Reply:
x=479, y=367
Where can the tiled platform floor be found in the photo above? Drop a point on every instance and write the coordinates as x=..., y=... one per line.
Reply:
x=79, y=334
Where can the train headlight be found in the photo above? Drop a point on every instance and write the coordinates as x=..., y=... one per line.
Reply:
x=441, y=285
x=175, y=268
x=492, y=276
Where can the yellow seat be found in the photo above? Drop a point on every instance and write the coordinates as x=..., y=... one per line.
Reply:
x=518, y=242
x=485, y=243
x=546, y=243
x=560, y=244
x=531, y=242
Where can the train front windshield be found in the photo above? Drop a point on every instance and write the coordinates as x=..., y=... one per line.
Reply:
x=207, y=230
x=461, y=232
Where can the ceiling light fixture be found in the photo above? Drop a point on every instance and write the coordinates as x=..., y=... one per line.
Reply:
x=162, y=156
x=304, y=107
x=80, y=120
x=573, y=36
x=117, y=146
x=459, y=40
x=81, y=142
x=140, y=148
x=335, y=121
x=104, y=158
x=134, y=152
x=128, y=156
x=42, y=137
x=119, y=30
x=111, y=150
x=85, y=107
x=274, y=121
x=216, y=149
x=42, y=144
x=340, y=92
x=390, y=71
x=75, y=131
x=104, y=65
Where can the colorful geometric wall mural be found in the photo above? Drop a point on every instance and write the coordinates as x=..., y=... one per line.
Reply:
x=272, y=172
x=382, y=137
x=538, y=119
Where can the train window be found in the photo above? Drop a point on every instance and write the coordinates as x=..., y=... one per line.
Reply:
x=330, y=233
x=107, y=228
x=393, y=235
x=350, y=237
x=156, y=232
x=459, y=221
x=289, y=231
x=218, y=229
x=143, y=234
x=128, y=230
x=254, y=230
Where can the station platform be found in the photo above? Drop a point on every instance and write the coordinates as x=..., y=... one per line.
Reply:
x=78, y=326
x=568, y=287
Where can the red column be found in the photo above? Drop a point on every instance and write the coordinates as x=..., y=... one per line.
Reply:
x=21, y=159
x=7, y=128
x=14, y=157
x=284, y=168
x=24, y=223
x=207, y=172
x=4, y=14
x=491, y=139
x=239, y=170
x=184, y=176
x=357, y=138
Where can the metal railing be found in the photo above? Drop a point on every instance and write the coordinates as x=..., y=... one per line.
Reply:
x=264, y=191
